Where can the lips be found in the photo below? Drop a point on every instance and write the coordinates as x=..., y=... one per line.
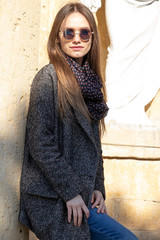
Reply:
x=77, y=48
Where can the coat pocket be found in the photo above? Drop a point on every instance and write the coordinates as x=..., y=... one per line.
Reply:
x=43, y=190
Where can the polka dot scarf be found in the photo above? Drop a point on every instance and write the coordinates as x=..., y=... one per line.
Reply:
x=91, y=88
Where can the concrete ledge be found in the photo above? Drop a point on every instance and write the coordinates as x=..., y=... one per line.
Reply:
x=142, y=142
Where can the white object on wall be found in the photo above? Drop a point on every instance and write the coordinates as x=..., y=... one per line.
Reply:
x=133, y=64
x=93, y=5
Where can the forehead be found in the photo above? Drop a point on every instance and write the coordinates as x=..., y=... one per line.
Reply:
x=75, y=20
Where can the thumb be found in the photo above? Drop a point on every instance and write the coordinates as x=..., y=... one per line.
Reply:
x=86, y=211
x=92, y=199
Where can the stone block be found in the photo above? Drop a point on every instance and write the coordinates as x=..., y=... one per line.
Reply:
x=133, y=179
x=148, y=235
x=135, y=214
x=139, y=135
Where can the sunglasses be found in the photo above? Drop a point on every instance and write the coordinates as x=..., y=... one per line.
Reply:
x=85, y=34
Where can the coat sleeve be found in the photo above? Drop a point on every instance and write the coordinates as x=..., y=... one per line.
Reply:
x=42, y=143
x=99, y=183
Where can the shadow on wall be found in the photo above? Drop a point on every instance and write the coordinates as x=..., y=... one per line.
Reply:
x=11, y=154
x=19, y=54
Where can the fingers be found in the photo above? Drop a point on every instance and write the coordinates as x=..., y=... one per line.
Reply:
x=69, y=213
x=79, y=217
x=92, y=199
x=105, y=210
x=101, y=205
x=97, y=201
x=75, y=215
x=76, y=206
x=102, y=208
x=86, y=211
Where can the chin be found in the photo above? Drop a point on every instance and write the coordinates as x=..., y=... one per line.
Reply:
x=78, y=55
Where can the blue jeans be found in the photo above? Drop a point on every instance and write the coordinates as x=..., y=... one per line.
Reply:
x=103, y=227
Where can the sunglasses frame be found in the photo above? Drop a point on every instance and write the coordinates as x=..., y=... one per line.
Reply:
x=77, y=32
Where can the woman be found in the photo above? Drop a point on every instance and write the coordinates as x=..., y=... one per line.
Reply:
x=62, y=179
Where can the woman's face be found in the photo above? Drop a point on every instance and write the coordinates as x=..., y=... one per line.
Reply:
x=76, y=47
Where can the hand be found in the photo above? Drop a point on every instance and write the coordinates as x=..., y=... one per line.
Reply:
x=77, y=207
x=97, y=200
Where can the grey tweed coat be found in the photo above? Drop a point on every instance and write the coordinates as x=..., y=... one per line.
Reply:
x=61, y=160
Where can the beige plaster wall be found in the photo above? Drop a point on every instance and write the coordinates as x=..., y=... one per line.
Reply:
x=49, y=10
x=19, y=31
x=132, y=195
x=104, y=37
x=132, y=179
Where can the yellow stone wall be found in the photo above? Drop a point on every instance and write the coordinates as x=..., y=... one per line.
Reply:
x=48, y=12
x=131, y=164
x=131, y=154
x=19, y=31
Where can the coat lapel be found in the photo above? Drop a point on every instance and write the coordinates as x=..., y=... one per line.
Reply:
x=80, y=118
x=86, y=127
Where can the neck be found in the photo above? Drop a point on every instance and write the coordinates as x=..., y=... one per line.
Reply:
x=79, y=61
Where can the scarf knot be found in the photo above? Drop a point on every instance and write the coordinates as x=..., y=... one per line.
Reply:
x=90, y=85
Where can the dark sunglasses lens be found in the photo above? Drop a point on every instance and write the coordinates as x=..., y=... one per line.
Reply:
x=68, y=34
x=85, y=34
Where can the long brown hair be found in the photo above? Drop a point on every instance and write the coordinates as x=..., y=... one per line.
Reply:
x=69, y=93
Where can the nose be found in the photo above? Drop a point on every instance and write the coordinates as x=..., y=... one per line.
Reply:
x=76, y=37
